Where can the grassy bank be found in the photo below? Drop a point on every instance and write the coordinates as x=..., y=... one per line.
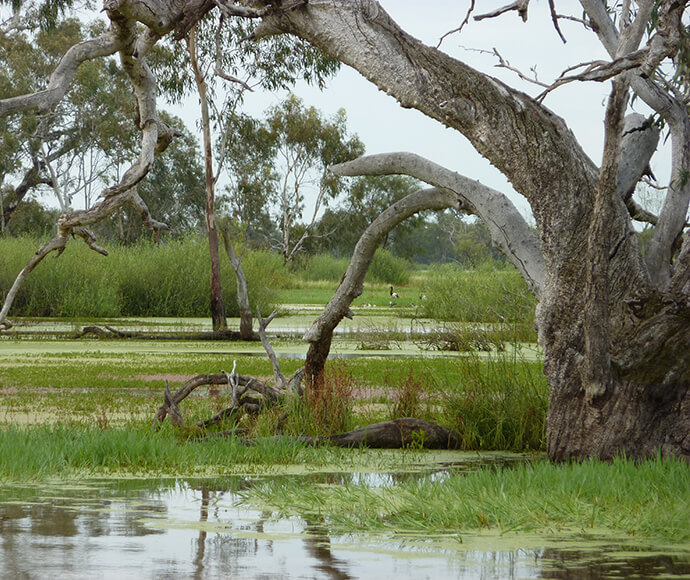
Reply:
x=647, y=499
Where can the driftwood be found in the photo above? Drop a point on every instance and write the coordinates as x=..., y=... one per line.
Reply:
x=248, y=393
x=397, y=434
x=110, y=332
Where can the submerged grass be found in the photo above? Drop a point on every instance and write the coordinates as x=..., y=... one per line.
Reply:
x=647, y=499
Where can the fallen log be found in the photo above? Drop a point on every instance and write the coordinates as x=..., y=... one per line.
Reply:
x=110, y=332
x=400, y=433
x=397, y=434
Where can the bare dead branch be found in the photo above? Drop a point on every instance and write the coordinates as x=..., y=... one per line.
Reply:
x=171, y=407
x=459, y=28
x=351, y=285
x=520, y=5
x=57, y=244
x=503, y=63
x=554, y=19
x=600, y=71
x=280, y=380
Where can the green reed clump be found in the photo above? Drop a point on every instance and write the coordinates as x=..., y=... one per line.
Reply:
x=138, y=280
x=80, y=282
x=408, y=398
x=648, y=499
x=326, y=410
x=324, y=267
x=389, y=269
x=485, y=295
x=498, y=403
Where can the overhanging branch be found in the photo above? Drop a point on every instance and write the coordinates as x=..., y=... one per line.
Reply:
x=509, y=230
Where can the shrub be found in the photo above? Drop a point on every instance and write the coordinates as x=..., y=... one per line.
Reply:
x=484, y=295
x=389, y=269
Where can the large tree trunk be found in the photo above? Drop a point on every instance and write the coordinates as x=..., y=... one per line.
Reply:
x=619, y=384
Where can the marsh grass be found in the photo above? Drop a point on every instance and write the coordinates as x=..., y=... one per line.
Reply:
x=495, y=402
x=485, y=295
x=74, y=449
x=138, y=280
x=645, y=499
x=408, y=399
x=499, y=403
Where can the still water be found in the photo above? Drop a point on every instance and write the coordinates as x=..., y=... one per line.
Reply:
x=198, y=529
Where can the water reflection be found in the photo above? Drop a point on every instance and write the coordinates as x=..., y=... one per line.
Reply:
x=196, y=529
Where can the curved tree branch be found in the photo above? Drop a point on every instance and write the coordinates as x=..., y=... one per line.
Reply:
x=105, y=45
x=321, y=332
x=509, y=231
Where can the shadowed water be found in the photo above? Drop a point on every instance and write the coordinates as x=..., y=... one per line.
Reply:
x=198, y=529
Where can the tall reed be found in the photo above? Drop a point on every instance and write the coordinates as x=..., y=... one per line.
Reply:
x=499, y=403
x=485, y=295
x=138, y=280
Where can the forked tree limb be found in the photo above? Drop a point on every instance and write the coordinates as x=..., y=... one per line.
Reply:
x=671, y=222
x=320, y=334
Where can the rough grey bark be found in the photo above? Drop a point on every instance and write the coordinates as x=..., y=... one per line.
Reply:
x=646, y=405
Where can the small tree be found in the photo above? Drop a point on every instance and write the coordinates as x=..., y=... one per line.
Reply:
x=305, y=146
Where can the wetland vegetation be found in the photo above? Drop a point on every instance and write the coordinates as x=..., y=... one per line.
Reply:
x=82, y=408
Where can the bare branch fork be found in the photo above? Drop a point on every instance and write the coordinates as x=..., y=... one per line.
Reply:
x=671, y=222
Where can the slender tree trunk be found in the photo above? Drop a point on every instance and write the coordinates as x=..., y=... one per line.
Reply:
x=320, y=334
x=246, y=318
x=217, y=306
